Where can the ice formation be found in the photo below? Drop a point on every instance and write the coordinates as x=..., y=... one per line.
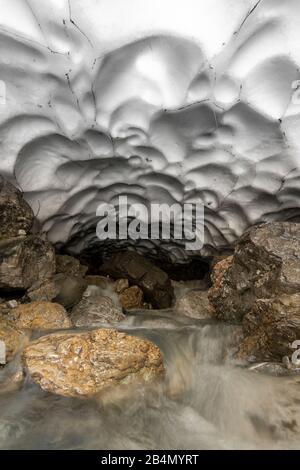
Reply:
x=162, y=101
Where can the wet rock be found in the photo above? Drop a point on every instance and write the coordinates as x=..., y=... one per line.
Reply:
x=70, y=289
x=266, y=263
x=195, y=304
x=85, y=364
x=270, y=328
x=96, y=311
x=12, y=337
x=121, y=285
x=24, y=261
x=141, y=272
x=16, y=216
x=70, y=266
x=132, y=298
x=40, y=316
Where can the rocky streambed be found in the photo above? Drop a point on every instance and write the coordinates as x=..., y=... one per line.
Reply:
x=127, y=358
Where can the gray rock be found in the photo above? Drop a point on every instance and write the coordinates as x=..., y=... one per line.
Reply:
x=266, y=263
x=95, y=311
x=24, y=261
x=195, y=304
x=16, y=216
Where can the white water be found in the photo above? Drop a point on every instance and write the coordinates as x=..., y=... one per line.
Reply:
x=206, y=401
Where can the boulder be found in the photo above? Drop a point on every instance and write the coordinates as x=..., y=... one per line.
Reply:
x=99, y=281
x=70, y=289
x=266, y=263
x=40, y=316
x=270, y=328
x=70, y=266
x=86, y=364
x=195, y=304
x=24, y=261
x=154, y=282
x=12, y=339
x=132, y=298
x=96, y=311
x=16, y=216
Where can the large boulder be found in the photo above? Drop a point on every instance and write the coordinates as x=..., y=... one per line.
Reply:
x=85, y=364
x=154, y=282
x=24, y=261
x=40, y=316
x=266, y=263
x=270, y=328
x=16, y=216
x=95, y=311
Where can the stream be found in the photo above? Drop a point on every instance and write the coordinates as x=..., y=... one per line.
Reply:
x=206, y=401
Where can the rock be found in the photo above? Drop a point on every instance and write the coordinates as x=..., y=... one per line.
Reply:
x=16, y=216
x=195, y=304
x=40, y=316
x=266, y=263
x=70, y=289
x=121, y=285
x=70, y=266
x=13, y=338
x=24, y=261
x=141, y=272
x=86, y=364
x=46, y=290
x=95, y=311
x=132, y=298
x=5, y=307
x=270, y=328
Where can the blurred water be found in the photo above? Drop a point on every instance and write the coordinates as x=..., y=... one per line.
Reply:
x=206, y=401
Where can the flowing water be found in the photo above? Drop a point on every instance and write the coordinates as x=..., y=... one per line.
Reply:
x=206, y=401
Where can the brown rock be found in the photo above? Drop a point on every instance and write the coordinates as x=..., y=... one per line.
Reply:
x=96, y=310
x=270, y=328
x=85, y=364
x=13, y=338
x=266, y=263
x=24, y=261
x=70, y=289
x=16, y=216
x=141, y=272
x=70, y=266
x=195, y=304
x=132, y=298
x=40, y=316
x=121, y=285
x=46, y=290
